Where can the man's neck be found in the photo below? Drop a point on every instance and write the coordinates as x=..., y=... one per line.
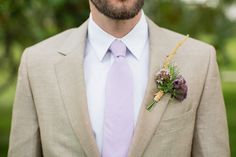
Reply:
x=117, y=28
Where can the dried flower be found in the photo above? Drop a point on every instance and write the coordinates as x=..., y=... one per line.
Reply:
x=169, y=81
x=163, y=76
x=180, y=88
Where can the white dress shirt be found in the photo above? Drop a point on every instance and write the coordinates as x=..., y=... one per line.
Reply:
x=97, y=63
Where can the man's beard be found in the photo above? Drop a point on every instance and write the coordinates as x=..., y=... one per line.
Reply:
x=121, y=13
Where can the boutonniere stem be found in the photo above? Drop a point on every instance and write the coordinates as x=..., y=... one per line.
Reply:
x=157, y=97
x=168, y=79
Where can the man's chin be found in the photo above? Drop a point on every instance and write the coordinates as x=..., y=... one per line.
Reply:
x=118, y=9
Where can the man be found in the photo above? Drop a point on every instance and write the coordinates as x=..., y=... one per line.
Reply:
x=84, y=92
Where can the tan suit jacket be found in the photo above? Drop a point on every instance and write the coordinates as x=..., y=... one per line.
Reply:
x=50, y=114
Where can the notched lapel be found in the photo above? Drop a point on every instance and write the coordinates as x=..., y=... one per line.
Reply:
x=148, y=120
x=70, y=77
x=71, y=82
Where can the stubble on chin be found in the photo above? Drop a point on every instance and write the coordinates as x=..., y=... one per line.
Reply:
x=119, y=10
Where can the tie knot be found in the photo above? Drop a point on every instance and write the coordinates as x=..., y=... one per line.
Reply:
x=118, y=48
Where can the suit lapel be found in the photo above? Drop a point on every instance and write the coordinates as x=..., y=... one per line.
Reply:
x=69, y=71
x=148, y=120
x=71, y=82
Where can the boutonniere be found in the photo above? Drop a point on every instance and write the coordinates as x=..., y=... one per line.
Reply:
x=168, y=80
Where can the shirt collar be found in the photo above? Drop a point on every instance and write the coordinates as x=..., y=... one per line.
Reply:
x=135, y=40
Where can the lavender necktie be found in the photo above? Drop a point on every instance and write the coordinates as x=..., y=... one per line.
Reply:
x=119, y=109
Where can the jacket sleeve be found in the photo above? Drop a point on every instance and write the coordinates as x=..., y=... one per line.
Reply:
x=211, y=130
x=24, y=136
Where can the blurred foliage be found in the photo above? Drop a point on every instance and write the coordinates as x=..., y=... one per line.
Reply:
x=26, y=22
x=205, y=22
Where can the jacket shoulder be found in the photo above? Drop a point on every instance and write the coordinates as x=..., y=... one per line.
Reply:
x=49, y=45
x=169, y=39
x=192, y=46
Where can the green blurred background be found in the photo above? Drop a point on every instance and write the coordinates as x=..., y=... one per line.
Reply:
x=26, y=22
